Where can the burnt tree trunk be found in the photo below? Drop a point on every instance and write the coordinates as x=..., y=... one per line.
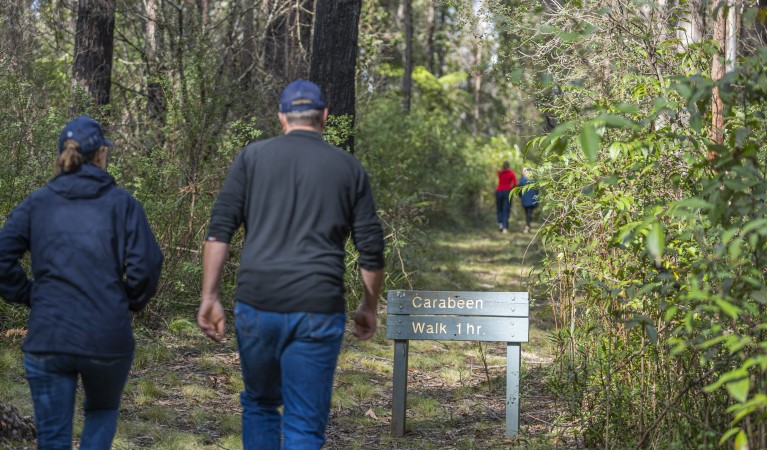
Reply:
x=334, y=56
x=94, y=44
x=407, y=78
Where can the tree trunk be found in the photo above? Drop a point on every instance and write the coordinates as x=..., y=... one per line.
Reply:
x=15, y=35
x=731, y=37
x=94, y=44
x=431, y=26
x=477, y=74
x=761, y=22
x=407, y=78
x=439, y=47
x=155, y=94
x=334, y=56
x=689, y=27
x=717, y=72
x=247, y=52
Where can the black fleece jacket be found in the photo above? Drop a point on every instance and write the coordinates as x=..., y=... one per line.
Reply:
x=299, y=198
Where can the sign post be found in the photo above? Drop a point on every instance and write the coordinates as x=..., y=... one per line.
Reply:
x=456, y=316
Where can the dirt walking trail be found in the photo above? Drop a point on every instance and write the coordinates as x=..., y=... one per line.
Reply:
x=456, y=390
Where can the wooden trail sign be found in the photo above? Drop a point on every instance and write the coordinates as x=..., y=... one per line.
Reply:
x=456, y=316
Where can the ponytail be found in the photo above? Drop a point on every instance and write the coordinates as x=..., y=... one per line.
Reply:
x=70, y=158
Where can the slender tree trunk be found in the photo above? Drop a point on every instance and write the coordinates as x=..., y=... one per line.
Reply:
x=407, y=78
x=761, y=22
x=203, y=6
x=431, y=26
x=155, y=94
x=477, y=89
x=731, y=37
x=717, y=72
x=247, y=54
x=94, y=45
x=439, y=48
x=334, y=56
x=689, y=28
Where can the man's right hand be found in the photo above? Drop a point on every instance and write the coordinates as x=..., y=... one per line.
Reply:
x=211, y=318
x=365, y=322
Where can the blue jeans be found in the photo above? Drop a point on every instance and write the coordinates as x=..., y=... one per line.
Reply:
x=53, y=382
x=290, y=359
x=502, y=208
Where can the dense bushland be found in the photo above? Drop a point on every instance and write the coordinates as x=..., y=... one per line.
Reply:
x=655, y=235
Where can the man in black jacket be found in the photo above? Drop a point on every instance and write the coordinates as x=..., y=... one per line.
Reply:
x=299, y=199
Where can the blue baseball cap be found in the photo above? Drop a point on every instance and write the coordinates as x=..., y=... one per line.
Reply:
x=86, y=132
x=301, y=95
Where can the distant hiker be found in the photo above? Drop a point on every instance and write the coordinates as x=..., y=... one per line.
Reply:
x=507, y=180
x=94, y=259
x=528, y=198
x=299, y=199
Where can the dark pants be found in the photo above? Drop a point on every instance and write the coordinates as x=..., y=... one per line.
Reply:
x=53, y=382
x=502, y=208
x=529, y=214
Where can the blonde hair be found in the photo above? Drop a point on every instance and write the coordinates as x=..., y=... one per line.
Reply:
x=70, y=158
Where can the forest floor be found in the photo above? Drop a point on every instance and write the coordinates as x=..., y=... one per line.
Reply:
x=183, y=392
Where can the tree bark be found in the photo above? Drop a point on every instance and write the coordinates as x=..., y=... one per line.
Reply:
x=761, y=22
x=94, y=45
x=731, y=37
x=717, y=72
x=334, y=56
x=155, y=95
x=477, y=75
x=431, y=26
x=407, y=78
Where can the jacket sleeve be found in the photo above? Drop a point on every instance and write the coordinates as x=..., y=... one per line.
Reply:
x=15, y=286
x=143, y=258
x=229, y=209
x=367, y=232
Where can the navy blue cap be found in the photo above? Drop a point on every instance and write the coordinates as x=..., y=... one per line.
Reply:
x=301, y=95
x=86, y=132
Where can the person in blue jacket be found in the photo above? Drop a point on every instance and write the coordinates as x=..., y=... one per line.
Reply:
x=94, y=259
x=529, y=198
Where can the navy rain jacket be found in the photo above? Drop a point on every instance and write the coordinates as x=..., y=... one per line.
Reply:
x=94, y=259
x=529, y=197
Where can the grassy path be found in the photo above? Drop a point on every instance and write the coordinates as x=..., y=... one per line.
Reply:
x=183, y=391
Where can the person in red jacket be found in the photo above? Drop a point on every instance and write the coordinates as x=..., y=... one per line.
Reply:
x=507, y=180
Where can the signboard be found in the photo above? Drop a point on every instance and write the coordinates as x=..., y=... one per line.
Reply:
x=456, y=316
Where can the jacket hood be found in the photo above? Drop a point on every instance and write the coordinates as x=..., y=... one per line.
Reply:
x=88, y=181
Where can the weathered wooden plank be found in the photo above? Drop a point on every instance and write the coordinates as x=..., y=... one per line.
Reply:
x=496, y=304
x=451, y=328
x=399, y=388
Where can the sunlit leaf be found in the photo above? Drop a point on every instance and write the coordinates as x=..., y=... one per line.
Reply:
x=589, y=140
x=741, y=441
x=656, y=242
x=739, y=389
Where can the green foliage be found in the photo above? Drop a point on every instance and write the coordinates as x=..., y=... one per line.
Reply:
x=655, y=263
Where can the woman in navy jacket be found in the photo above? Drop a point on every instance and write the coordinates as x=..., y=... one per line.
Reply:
x=94, y=259
x=529, y=198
